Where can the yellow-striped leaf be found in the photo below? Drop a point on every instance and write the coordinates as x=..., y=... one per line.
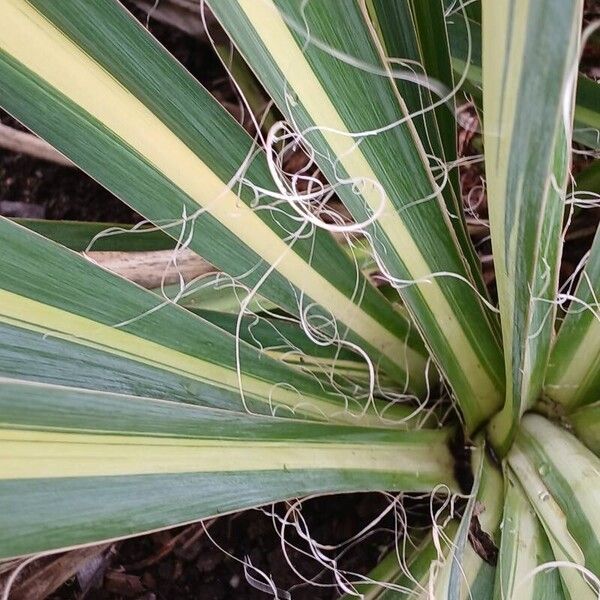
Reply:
x=79, y=466
x=573, y=376
x=529, y=57
x=562, y=481
x=322, y=64
x=523, y=551
x=87, y=77
x=64, y=320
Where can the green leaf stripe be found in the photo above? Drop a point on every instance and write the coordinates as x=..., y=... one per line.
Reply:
x=573, y=376
x=81, y=466
x=562, y=480
x=524, y=547
x=105, y=237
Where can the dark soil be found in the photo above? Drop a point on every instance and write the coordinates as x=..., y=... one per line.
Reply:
x=221, y=559
x=55, y=192
x=200, y=570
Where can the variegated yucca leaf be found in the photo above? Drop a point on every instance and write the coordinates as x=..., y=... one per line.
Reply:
x=586, y=424
x=465, y=42
x=415, y=41
x=573, y=376
x=93, y=82
x=529, y=56
x=414, y=38
x=81, y=466
x=66, y=321
x=108, y=237
x=286, y=341
x=456, y=560
x=561, y=479
x=523, y=551
x=413, y=575
x=470, y=568
x=322, y=64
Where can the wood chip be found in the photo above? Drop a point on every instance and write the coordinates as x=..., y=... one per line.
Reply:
x=43, y=580
x=117, y=582
x=148, y=269
x=32, y=145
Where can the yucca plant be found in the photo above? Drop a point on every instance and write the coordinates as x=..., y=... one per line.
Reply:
x=125, y=410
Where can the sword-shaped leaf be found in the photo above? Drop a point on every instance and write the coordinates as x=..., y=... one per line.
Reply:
x=523, y=549
x=83, y=235
x=79, y=466
x=562, y=481
x=415, y=40
x=470, y=570
x=87, y=77
x=456, y=562
x=465, y=44
x=322, y=64
x=64, y=320
x=529, y=57
x=412, y=576
x=573, y=376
